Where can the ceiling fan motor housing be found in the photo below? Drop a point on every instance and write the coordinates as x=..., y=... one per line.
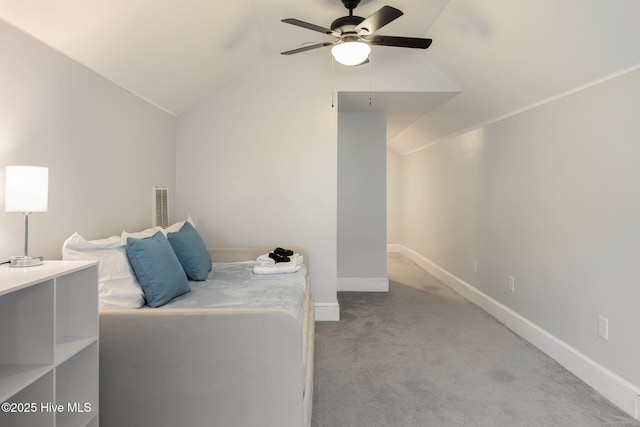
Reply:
x=346, y=24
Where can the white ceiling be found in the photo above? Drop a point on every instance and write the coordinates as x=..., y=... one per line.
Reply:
x=506, y=55
x=502, y=54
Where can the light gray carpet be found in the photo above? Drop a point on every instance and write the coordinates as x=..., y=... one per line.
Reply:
x=421, y=355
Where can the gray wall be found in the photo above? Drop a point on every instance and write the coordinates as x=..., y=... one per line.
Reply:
x=105, y=148
x=361, y=196
x=257, y=160
x=550, y=196
x=393, y=196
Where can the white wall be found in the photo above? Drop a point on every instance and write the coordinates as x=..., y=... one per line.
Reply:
x=257, y=166
x=105, y=148
x=550, y=196
x=362, y=216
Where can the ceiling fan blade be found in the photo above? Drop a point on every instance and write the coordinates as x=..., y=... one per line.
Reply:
x=379, y=19
x=305, y=48
x=412, y=42
x=309, y=26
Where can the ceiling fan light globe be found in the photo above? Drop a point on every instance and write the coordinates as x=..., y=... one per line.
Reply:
x=351, y=53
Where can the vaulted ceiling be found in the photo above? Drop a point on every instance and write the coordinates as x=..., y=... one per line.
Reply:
x=497, y=56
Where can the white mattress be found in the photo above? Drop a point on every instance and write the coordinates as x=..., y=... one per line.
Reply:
x=234, y=285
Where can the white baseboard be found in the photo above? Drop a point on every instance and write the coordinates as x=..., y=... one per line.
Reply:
x=614, y=388
x=327, y=311
x=363, y=284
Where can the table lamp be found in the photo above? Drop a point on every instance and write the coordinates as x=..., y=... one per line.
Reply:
x=26, y=191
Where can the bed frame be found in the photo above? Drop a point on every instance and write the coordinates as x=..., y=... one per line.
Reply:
x=207, y=367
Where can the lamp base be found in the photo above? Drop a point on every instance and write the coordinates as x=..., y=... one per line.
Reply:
x=25, y=261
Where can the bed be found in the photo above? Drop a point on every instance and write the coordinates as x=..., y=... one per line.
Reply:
x=207, y=360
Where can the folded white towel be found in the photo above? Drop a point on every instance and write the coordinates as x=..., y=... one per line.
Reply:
x=265, y=261
x=278, y=268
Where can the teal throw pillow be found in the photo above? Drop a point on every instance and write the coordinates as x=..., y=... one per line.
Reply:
x=157, y=269
x=191, y=251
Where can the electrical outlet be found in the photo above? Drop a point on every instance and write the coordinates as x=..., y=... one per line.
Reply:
x=475, y=266
x=603, y=328
x=512, y=284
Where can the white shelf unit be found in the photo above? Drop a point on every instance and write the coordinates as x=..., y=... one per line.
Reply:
x=49, y=345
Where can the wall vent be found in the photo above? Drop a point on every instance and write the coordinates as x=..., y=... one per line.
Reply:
x=160, y=211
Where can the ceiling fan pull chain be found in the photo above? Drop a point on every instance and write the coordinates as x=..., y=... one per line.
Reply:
x=370, y=90
x=332, y=81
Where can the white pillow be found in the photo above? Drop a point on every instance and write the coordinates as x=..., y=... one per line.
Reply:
x=174, y=228
x=139, y=234
x=117, y=284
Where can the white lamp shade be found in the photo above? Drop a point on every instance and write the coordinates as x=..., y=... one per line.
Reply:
x=351, y=53
x=26, y=189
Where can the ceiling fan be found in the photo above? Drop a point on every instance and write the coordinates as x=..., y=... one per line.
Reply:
x=356, y=34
